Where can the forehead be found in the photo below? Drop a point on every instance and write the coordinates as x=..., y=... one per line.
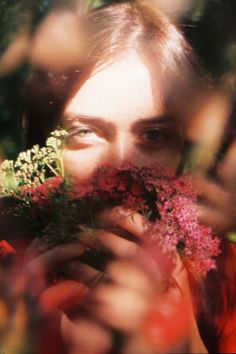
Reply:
x=122, y=89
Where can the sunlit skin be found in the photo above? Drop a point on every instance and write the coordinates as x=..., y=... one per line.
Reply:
x=113, y=118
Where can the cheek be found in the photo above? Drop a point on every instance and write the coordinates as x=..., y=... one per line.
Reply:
x=81, y=164
x=169, y=159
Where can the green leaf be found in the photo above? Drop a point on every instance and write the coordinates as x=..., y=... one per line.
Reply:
x=10, y=182
x=232, y=236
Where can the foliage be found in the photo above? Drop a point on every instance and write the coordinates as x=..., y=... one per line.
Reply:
x=34, y=166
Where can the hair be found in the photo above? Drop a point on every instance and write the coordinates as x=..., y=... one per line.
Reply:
x=113, y=30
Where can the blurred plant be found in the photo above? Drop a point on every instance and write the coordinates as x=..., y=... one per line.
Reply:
x=34, y=166
x=17, y=20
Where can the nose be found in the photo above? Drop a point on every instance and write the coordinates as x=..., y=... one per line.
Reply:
x=122, y=151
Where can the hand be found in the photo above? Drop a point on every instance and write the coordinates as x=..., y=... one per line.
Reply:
x=217, y=207
x=132, y=292
x=126, y=297
x=41, y=261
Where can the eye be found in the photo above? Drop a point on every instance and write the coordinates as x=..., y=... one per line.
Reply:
x=84, y=132
x=155, y=136
x=83, y=135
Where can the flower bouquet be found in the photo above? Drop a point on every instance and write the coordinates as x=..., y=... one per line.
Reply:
x=59, y=207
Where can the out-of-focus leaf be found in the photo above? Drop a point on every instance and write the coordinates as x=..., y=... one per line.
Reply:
x=232, y=236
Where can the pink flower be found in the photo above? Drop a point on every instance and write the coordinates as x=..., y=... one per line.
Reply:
x=5, y=248
x=42, y=193
x=168, y=202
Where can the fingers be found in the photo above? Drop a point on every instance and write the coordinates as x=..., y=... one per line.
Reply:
x=85, y=336
x=118, y=246
x=216, y=208
x=135, y=278
x=122, y=304
x=128, y=220
x=52, y=258
x=67, y=256
x=123, y=301
x=119, y=307
x=133, y=291
x=37, y=247
x=218, y=199
x=84, y=273
x=33, y=274
x=213, y=194
x=216, y=219
x=60, y=293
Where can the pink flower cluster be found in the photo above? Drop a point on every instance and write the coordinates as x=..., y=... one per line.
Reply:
x=169, y=202
x=166, y=201
x=179, y=228
x=41, y=194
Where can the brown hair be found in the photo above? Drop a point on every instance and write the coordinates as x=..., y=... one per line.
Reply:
x=113, y=30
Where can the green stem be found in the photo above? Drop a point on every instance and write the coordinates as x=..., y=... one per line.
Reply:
x=62, y=167
x=42, y=179
x=52, y=169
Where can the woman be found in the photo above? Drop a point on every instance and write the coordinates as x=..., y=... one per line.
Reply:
x=123, y=105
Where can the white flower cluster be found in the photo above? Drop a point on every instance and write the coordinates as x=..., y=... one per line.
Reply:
x=34, y=166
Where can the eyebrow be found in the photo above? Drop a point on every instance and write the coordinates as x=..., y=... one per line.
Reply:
x=99, y=122
x=164, y=120
x=108, y=126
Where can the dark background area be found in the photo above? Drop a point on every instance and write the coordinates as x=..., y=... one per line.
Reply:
x=210, y=26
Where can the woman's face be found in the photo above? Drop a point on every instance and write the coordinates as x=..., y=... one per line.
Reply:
x=113, y=118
